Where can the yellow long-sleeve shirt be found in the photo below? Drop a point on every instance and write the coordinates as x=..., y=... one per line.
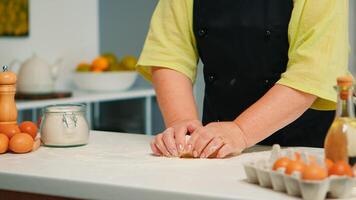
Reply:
x=318, y=39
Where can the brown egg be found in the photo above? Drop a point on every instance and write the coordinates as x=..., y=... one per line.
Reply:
x=21, y=143
x=29, y=128
x=329, y=163
x=4, y=143
x=341, y=168
x=314, y=172
x=295, y=165
x=281, y=163
x=9, y=129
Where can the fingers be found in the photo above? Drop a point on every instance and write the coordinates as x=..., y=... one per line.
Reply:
x=179, y=135
x=190, y=143
x=227, y=150
x=192, y=127
x=172, y=142
x=215, y=144
x=155, y=150
x=160, y=145
x=198, y=141
x=224, y=151
x=169, y=142
x=204, y=139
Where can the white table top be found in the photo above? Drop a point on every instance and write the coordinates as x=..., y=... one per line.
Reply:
x=120, y=166
x=87, y=97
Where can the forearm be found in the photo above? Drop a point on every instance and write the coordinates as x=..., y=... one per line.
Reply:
x=175, y=95
x=279, y=107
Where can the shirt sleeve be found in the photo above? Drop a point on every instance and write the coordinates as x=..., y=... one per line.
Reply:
x=170, y=42
x=319, y=48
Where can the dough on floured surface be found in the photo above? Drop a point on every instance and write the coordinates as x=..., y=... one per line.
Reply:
x=186, y=154
x=189, y=155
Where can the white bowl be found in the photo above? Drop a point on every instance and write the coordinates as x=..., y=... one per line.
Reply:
x=104, y=81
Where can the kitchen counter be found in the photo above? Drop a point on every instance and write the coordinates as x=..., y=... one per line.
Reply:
x=120, y=166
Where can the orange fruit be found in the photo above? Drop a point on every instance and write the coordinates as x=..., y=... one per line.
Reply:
x=314, y=172
x=29, y=128
x=281, y=162
x=100, y=63
x=295, y=165
x=111, y=57
x=9, y=129
x=4, y=143
x=21, y=143
x=129, y=62
x=341, y=168
x=83, y=67
x=96, y=70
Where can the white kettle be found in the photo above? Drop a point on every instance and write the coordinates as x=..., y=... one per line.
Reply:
x=35, y=76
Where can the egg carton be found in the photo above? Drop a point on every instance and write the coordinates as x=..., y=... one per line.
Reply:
x=260, y=172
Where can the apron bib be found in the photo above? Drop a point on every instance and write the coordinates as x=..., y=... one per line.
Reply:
x=243, y=45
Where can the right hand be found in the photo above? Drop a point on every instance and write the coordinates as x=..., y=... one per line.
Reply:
x=171, y=142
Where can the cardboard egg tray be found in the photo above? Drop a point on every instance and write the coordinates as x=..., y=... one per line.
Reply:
x=260, y=172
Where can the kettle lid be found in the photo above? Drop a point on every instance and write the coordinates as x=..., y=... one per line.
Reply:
x=7, y=77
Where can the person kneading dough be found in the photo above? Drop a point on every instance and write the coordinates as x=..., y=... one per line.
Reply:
x=269, y=71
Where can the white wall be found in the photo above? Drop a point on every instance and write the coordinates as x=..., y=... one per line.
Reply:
x=124, y=25
x=353, y=36
x=58, y=28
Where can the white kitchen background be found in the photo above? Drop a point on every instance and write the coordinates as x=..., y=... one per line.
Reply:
x=78, y=30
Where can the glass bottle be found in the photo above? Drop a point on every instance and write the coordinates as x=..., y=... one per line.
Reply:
x=340, y=141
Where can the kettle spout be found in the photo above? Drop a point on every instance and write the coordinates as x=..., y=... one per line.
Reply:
x=55, y=68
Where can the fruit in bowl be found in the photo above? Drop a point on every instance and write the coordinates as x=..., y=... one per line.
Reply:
x=100, y=64
x=108, y=62
x=83, y=67
x=128, y=63
x=106, y=73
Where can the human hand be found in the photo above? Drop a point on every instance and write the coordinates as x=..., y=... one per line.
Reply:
x=171, y=142
x=217, y=139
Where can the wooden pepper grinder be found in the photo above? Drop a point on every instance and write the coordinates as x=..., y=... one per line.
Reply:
x=8, y=111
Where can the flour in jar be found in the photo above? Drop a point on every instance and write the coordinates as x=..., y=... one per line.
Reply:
x=64, y=125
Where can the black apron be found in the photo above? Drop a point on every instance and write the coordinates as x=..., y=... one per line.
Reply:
x=244, y=47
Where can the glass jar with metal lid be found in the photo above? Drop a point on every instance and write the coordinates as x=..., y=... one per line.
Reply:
x=64, y=125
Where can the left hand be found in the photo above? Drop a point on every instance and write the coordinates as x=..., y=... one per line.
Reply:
x=223, y=138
